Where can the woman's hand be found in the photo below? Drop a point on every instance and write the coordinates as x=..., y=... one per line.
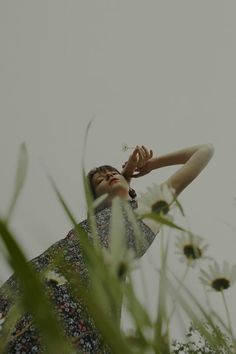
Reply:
x=137, y=162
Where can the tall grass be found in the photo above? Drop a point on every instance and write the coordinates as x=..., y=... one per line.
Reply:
x=109, y=286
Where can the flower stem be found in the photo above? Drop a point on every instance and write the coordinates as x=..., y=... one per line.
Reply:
x=227, y=314
x=162, y=245
x=177, y=292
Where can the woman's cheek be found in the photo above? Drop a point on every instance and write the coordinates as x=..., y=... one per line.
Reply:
x=101, y=189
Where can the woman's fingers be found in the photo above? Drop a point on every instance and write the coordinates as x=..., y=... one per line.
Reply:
x=136, y=150
x=148, y=154
x=144, y=155
x=134, y=157
x=145, y=150
x=139, y=156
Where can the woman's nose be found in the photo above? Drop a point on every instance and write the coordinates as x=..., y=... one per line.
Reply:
x=110, y=174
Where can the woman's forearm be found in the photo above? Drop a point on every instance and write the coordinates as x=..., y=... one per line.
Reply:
x=177, y=157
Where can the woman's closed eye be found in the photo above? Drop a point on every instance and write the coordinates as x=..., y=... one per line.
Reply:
x=99, y=180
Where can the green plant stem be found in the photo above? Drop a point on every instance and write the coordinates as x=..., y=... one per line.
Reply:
x=227, y=314
x=178, y=291
x=162, y=246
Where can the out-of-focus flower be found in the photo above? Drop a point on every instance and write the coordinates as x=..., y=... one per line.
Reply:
x=219, y=279
x=157, y=199
x=53, y=277
x=126, y=264
x=190, y=249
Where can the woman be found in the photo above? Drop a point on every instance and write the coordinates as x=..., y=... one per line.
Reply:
x=78, y=325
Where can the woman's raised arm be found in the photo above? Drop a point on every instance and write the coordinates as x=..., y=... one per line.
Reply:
x=194, y=158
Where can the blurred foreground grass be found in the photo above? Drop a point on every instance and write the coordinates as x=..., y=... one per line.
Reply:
x=110, y=285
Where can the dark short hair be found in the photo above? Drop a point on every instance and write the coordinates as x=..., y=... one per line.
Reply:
x=105, y=168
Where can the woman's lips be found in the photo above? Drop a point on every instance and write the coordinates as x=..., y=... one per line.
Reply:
x=113, y=180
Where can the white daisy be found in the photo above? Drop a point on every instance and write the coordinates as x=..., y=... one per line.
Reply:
x=2, y=320
x=54, y=277
x=129, y=263
x=190, y=248
x=157, y=199
x=126, y=264
x=217, y=279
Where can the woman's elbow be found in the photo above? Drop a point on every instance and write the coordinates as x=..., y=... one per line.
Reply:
x=211, y=147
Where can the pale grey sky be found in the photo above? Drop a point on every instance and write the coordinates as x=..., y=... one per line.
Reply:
x=158, y=73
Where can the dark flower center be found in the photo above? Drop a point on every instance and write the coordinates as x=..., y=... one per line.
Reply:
x=160, y=206
x=192, y=252
x=122, y=270
x=220, y=284
x=52, y=281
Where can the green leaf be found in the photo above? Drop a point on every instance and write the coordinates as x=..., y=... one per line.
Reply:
x=87, y=189
x=21, y=172
x=178, y=204
x=117, y=233
x=101, y=281
x=34, y=299
x=136, y=309
x=161, y=335
x=162, y=220
x=108, y=328
x=140, y=240
x=13, y=315
x=99, y=200
x=194, y=317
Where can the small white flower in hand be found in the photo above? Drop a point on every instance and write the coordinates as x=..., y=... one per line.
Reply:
x=125, y=147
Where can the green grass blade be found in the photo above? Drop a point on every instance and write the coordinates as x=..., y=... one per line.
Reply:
x=117, y=233
x=34, y=299
x=13, y=315
x=178, y=204
x=109, y=328
x=87, y=189
x=194, y=318
x=162, y=220
x=136, y=309
x=90, y=208
x=140, y=241
x=98, y=273
x=161, y=334
x=21, y=173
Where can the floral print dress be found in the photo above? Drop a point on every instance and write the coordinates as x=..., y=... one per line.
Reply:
x=78, y=325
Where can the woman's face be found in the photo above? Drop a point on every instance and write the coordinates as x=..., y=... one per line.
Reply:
x=110, y=182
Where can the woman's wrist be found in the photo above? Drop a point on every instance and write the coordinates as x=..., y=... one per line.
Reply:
x=127, y=172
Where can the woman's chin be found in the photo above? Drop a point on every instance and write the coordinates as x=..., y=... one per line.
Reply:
x=119, y=191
